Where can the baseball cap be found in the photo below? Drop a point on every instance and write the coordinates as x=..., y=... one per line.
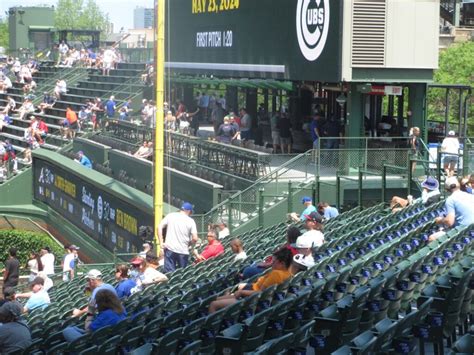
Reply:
x=186, y=206
x=451, y=133
x=303, y=242
x=314, y=217
x=430, y=183
x=136, y=260
x=74, y=247
x=306, y=199
x=451, y=182
x=13, y=307
x=94, y=274
x=8, y=292
x=305, y=262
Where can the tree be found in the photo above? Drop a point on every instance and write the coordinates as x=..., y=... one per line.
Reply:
x=4, y=41
x=80, y=15
x=456, y=66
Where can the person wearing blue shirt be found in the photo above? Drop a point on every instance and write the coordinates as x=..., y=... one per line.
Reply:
x=125, y=284
x=38, y=297
x=308, y=209
x=110, y=107
x=110, y=312
x=327, y=211
x=459, y=208
x=85, y=161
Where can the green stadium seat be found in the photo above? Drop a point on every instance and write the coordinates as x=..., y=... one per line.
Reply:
x=89, y=351
x=131, y=338
x=244, y=337
x=145, y=349
x=276, y=346
x=191, y=349
x=168, y=344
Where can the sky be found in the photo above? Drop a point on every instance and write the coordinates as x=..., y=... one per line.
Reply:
x=115, y=8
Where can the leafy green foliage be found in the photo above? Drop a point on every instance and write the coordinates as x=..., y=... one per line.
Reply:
x=456, y=66
x=80, y=15
x=4, y=41
x=25, y=242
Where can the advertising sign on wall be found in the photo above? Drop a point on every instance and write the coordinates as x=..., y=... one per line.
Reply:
x=287, y=39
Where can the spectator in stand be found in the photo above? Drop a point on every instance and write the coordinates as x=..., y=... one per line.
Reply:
x=144, y=151
x=83, y=116
x=15, y=335
x=48, y=283
x=213, y=248
x=108, y=61
x=63, y=49
x=245, y=125
x=110, y=107
x=70, y=128
x=223, y=230
x=110, y=312
x=60, y=89
x=10, y=107
x=180, y=234
x=217, y=118
x=48, y=102
x=226, y=131
x=69, y=262
x=5, y=120
x=16, y=67
x=275, y=130
x=237, y=248
x=204, y=105
x=8, y=296
x=292, y=234
x=47, y=259
x=9, y=157
x=11, y=272
x=35, y=265
x=38, y=298
x=26, y=108
x=450, y=149
x=30, y=139
x=414, y=143
x=459, y=208
x=280, y=272
x=148, y=276
x=314, y=226
x=308, y=209
x=97, y=113
x=5, y=84
x=95, y=284
x=40, y=129
x=125, y=285
x=429, y=195
x=467, y=184
x=147, y=248
x=83, y=160
x=324, y=209
x=284, y=127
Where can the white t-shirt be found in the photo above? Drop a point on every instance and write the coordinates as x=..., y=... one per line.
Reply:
x=151, y=275
x=241, y=256
x=224, y=233
x=180, y=228
x=315, y=236
x=425, y=195
x=450, y=145
x=109, y=56
x=48, y=263
x=68, y=265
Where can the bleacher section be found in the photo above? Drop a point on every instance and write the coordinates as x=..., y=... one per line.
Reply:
x=83, y=84
x=378, y=287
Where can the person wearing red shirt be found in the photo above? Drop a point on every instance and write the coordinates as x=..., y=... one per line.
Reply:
x=214, y=247
x=40, y=130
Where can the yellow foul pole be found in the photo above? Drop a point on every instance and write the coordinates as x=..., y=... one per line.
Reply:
x=159, y=126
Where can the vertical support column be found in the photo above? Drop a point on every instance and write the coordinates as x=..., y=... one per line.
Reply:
x=391, y=106
x=400, y=113
x=359, y=192
x=417, y=101
x=384, y=180
x=338, y=191
x=231, y=97
x=260, y=206
x=355, y=113
x=457, y=13
x=251, y=104
x=290, y=197
x=188, y=96
x=274, y=100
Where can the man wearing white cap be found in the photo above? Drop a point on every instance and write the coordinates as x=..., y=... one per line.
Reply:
x=450, y=150
x=459, y=208
x=95, y=283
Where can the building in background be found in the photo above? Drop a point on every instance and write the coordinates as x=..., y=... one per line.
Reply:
x=143, y=18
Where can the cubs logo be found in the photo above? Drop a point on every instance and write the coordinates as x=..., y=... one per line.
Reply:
x=312, y=27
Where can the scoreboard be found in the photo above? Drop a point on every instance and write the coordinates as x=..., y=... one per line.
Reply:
x=108, y=218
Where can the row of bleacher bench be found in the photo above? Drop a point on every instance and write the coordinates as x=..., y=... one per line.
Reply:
x=359, y=297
